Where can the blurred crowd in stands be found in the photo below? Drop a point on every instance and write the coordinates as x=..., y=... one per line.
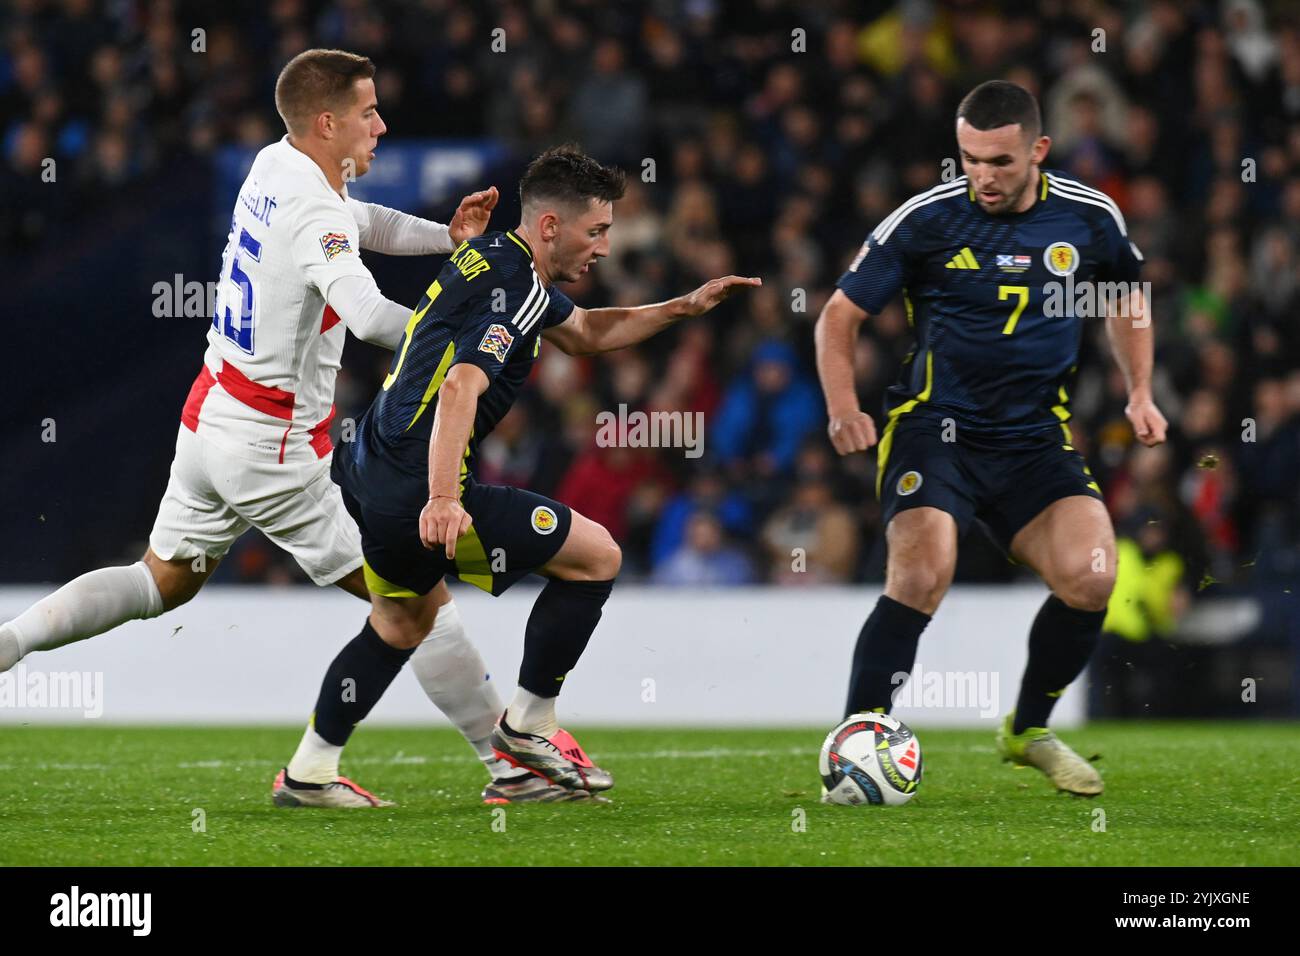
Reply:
x=780, y=134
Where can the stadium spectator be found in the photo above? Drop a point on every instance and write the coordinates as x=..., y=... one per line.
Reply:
x=813, y=539
x=707, y=492
x=705, y=559
x=766, y=413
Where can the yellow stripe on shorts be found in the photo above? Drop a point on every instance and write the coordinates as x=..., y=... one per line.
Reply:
x=382, y=587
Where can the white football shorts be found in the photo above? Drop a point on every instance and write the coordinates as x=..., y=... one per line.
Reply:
x=213, y=497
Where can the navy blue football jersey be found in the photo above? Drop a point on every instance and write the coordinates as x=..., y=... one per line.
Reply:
x=993, y=300
x=488, y=308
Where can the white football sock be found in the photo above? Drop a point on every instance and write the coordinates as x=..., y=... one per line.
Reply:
x=497, y=768
x=453, y=675
x=91, y=604
x=530, y=714
x=9, y=652
x=316, y=760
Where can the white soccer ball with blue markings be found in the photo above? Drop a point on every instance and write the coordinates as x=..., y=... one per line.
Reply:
x=870, y=758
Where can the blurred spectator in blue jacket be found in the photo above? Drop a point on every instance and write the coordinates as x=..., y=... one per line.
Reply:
x=706, y=492
x=705, y=559
x=767, y=413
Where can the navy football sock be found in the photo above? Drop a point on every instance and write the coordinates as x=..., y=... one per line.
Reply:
x=563, y=617
x=355, y=681
x=1060, y=643
x=886, y=646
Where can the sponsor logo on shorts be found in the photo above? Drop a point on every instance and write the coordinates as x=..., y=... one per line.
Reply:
x=1061, y=258
x=544, y=520
x=909, y=482
x=496, y=342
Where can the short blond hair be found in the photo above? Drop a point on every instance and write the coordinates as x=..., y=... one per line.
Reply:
x=315, y=82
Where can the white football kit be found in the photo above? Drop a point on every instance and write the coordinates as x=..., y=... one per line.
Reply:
x=254, y=449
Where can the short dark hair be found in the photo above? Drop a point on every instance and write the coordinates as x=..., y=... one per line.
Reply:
x=318, y=81
x=1000, y=103
x=567, y=175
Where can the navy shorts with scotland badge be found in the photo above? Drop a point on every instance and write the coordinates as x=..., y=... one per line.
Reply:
x=1002, y=484
x=514, y=533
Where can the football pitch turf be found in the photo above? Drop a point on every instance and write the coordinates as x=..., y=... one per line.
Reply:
x=1188, y=794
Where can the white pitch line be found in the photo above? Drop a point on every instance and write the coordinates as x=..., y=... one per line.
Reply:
x=403, y=758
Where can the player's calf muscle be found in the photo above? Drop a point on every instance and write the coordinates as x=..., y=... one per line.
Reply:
x=177, y=579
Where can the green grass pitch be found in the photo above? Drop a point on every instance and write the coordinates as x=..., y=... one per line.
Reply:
x=1219, y=794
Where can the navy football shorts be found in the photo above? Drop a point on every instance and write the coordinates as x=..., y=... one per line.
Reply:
x=515, y=532
x=1001, y=484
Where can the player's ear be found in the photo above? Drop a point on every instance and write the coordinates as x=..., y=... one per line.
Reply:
x=1041, y=146
x=550, y=225
x=324, y=124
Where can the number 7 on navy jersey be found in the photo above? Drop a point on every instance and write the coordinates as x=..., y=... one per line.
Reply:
x=1021, y=292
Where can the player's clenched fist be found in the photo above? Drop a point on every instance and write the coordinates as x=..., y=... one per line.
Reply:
x=442, y=521
x=850, y=433
x=1148, y=424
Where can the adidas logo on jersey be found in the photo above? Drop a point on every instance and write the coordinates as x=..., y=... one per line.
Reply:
x=963, y=260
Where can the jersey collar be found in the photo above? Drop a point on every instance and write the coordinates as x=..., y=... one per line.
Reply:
x=301, y=161
x=523, y=244
x=1042, y=198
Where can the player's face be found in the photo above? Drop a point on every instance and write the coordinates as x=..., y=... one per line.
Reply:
x=1000, y=165
x=580, y=240
x=359, y=127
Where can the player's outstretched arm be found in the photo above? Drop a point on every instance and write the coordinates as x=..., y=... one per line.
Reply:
x=396, y=233
x=1132, y=340
x=850, y=429
x=443, y=520
x=357, y=299
x=588, y=331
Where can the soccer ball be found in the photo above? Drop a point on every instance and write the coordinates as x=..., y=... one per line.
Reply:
x=870, y=758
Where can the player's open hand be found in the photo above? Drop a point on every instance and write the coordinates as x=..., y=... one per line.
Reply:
x=473, y=214
x=714, y=291
x=850, y=433
x=1148, y=424
x=441, y=522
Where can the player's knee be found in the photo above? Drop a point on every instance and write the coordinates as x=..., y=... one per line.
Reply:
x=404, y=638
x=1089, y=590
x=598, y=559
x=921, y=588
x=607, y=558
x=404, y=624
